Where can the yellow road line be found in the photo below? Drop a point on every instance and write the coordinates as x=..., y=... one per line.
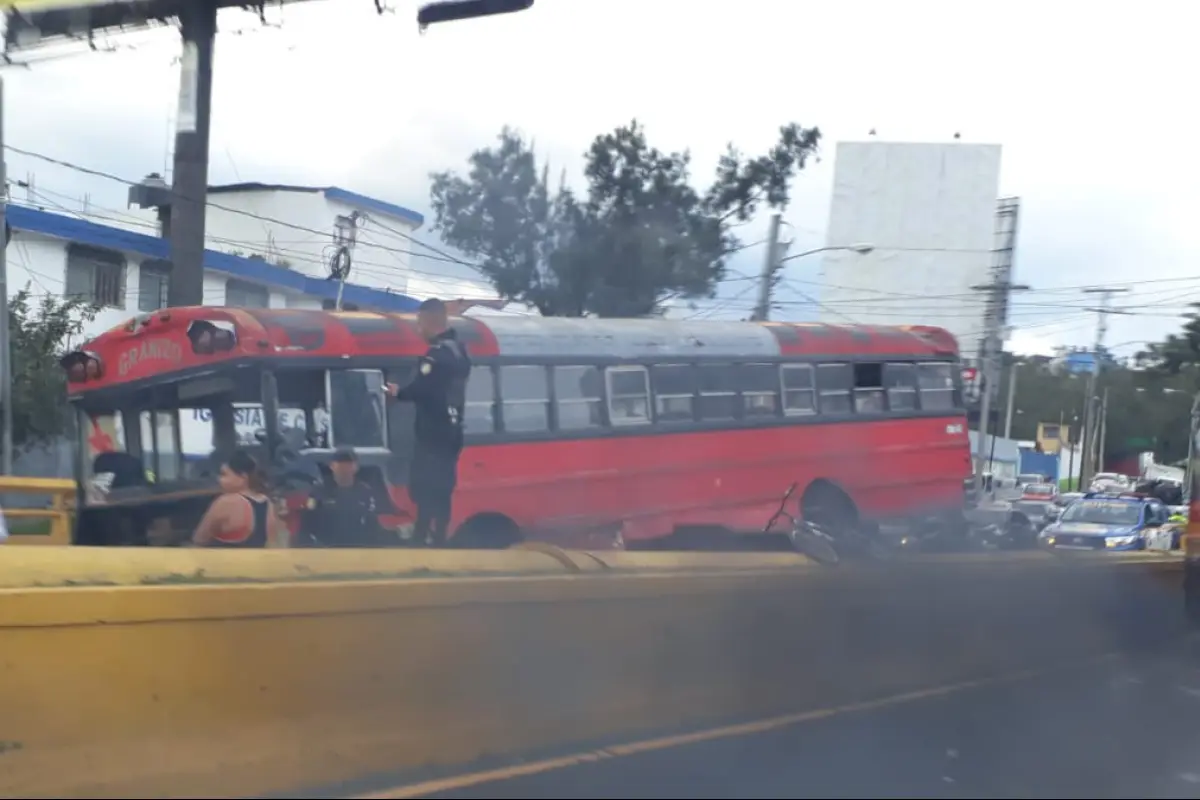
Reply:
x=465, y=780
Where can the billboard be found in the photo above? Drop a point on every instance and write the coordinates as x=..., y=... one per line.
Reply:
x=32, y=23
x=929, y=212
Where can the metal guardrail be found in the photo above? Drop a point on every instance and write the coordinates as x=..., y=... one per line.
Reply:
x=57, y=515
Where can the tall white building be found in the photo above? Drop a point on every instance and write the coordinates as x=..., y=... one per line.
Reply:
x=928, y=213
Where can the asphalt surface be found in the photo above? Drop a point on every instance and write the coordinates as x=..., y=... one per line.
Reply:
x=1116, y=728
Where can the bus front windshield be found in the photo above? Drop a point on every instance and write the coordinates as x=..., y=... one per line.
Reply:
x=175, y=432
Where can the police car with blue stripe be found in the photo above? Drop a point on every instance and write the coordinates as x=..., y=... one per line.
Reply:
x=1116, y=521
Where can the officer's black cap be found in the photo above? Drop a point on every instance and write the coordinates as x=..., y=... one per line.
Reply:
x=345, y=455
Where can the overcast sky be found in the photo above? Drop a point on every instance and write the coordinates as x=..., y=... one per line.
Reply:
x=1090, y=101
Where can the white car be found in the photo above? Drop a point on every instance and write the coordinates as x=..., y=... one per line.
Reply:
x=1110, y=482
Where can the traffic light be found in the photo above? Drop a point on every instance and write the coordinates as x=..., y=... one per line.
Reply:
x=455, y=10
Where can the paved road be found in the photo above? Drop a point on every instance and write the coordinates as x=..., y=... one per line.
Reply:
x=1125, y=727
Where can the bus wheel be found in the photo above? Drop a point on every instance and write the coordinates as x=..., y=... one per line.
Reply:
x=832, y=509
x=487, y=532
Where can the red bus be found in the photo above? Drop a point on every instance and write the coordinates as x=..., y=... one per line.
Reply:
x=606, y=431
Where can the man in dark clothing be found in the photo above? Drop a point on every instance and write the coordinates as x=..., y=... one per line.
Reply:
x=439, y=392
x=342, y=512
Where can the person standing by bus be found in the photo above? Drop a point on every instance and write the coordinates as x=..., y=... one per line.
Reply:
x=342, y=512
x=242, y=515
x=439, y=393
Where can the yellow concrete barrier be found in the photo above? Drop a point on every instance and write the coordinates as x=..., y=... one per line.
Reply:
x=153, y=566
x=44, y=526
x=239, y=690
x=148, y=566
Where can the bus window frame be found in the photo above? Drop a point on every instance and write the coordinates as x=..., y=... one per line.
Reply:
x=504, y=401
x=691, y=376
x=952, y=390
x=384, y=421
x=785, y=390
x=748, y=410
x=155, y=463
x=615, y=420
x=827, y=368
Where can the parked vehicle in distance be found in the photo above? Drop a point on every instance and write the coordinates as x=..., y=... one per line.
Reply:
x=1110, y=482
x=1033, y=502
x=1030, y=479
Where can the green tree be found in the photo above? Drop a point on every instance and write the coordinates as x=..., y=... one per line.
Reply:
x=1178, y=352
x=638, y=234
x=1144, y=405
x=41, y=329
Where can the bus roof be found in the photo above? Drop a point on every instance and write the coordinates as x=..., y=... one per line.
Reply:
x=166, y=341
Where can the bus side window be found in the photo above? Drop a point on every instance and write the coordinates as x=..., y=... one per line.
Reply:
x=868, y=388
x=799, y=394
x=628, y=395
x=834, y=382
x=900, y=381
x=760, y=390
x=579, y=397
x=718, y=391
x=936, y=382
x=674, y=392
x=479, y=413
x=524, y=399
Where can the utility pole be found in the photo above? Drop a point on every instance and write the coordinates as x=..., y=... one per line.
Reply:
x=1103, y=431
x=5, y=337
x=994, y=318
x=1091, y=423
x=1012, y=396
x=766, y=281
x=189, y=177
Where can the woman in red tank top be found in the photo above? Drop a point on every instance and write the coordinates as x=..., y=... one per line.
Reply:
x=242, y=515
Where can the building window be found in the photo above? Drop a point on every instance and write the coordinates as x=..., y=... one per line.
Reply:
x=525, y=399
x=240, y=294
x=95, y=276
x=579, y=397
x=628, y=395
x=154, y=280
x=479, y=414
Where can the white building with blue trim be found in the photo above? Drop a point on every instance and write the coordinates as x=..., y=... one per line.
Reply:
x=267, y=245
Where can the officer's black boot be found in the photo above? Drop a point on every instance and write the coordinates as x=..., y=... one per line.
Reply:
x=437, y=534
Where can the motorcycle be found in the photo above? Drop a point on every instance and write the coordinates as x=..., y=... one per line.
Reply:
x=807, y=538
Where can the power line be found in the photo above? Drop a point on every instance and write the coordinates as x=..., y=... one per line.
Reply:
x=438, y=254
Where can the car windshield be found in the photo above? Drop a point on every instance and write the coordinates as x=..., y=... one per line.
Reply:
x=1104, y=512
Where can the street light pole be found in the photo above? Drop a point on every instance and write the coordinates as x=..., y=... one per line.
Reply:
x=772, y=263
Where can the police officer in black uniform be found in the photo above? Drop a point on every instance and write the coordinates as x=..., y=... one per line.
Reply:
x=342, y=512
x=439, y=392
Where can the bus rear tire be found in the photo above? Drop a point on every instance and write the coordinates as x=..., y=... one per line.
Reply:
x=487, y=532
x=826, y=505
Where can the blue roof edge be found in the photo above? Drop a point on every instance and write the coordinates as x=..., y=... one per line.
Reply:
x=372, y=204
x=82, y=231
